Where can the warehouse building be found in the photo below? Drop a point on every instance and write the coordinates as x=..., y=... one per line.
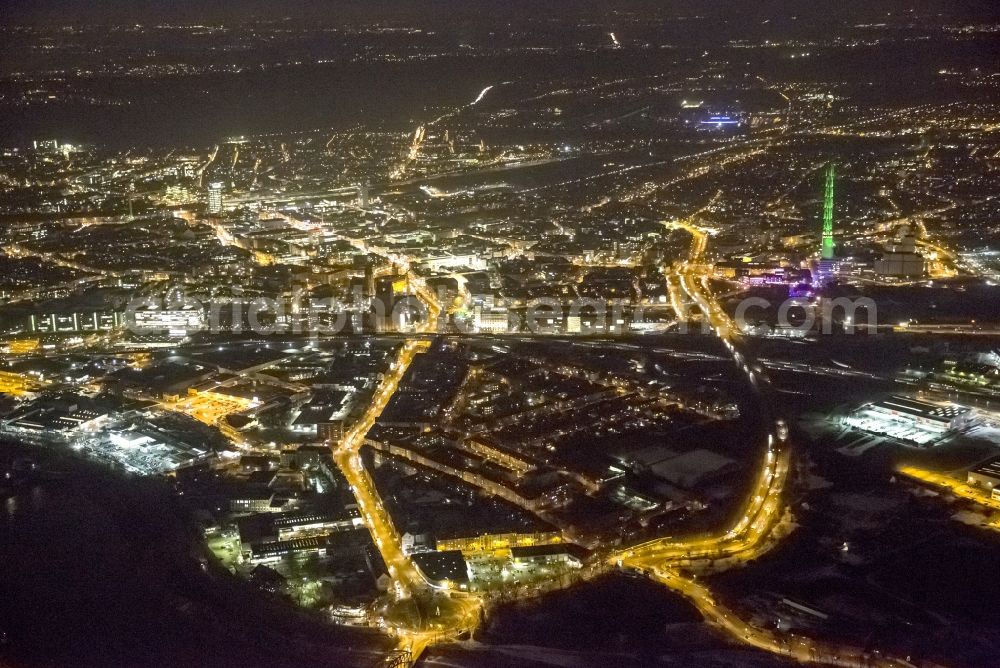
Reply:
x=913, y=420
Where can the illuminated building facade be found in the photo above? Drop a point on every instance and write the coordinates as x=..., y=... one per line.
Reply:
x=828, y=266
x=215, y=197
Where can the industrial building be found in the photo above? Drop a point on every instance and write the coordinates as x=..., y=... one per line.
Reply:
x=276, y=551
x=936, y=417
x=326, y=408
x=908, y=419
x=987, y=476
x=901, y=259
x=59, y=418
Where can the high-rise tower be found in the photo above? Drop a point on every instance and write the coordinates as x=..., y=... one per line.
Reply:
x=828, y=243
x=215, y=197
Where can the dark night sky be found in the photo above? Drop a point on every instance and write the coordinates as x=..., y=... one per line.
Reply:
x=28, y=11
x=167, y=111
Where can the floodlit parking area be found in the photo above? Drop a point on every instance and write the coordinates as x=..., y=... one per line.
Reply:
x=225, y=545
x=489, y=572
x=211, y=410
x=875, y=423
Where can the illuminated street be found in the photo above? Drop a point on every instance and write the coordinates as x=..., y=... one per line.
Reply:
x=474, y=335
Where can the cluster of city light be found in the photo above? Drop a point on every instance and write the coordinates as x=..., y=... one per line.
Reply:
x=756, y=528
x=754, y=532
x=461, y=613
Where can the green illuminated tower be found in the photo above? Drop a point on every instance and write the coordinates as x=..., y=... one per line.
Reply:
x=828, y=244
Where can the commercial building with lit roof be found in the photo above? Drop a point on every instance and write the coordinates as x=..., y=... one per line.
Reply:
x=912, y=420
x=987, y=476
x=935, y=417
